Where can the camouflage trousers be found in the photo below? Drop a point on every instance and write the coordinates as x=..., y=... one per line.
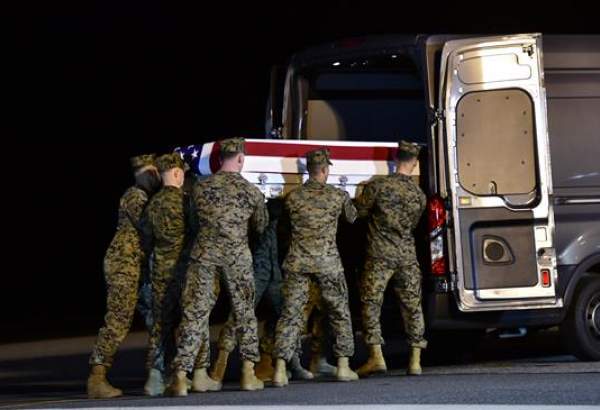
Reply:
x=296, y=294
x=165, y=308
x=121, y=299
x=264, y=287
x=407, y=287
x=314, y=308
x=197, y=305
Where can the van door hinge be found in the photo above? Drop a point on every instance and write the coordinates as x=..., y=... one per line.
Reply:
x=453, y=282
x=435, y=116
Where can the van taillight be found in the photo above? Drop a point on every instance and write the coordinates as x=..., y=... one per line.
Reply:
x=436, y=215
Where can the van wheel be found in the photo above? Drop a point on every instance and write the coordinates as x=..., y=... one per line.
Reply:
x=581, y=329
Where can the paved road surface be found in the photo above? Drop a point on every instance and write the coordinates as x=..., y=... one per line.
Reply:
x=531, y=370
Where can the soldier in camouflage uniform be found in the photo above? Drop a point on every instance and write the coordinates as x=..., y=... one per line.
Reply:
x=314, y=210
x=165, y=226
x=226, y=205
x=201, y=382
x=394, y=205
x=124, y=263
x=267, y=282
x=314, y=328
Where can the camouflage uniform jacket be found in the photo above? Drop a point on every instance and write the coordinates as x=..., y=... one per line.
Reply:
x=126, y=251
x=164, y=223
x=394, y=205
x=225, y=206
x=314, y=210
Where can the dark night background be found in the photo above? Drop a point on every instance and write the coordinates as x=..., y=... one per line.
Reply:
x=96, y=83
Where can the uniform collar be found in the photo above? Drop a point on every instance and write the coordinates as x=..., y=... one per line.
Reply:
x=171, y=188
x=313, y=183
x=403, y=177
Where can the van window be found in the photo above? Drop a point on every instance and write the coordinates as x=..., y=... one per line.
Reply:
x=496, y=142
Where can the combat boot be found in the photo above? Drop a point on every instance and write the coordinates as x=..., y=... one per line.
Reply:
x=375, y=364
x=280, y=378
x=155, y=384
x=97, y=385
x=264, y=369
x=414, y=362
x=344, y=372
x=319, y=366
x=218, y=370
x=202, y=383
x=299, y=372
x=249, y=381
x=179, y=385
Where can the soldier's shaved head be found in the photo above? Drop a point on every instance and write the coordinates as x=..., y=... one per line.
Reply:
x=232, y=162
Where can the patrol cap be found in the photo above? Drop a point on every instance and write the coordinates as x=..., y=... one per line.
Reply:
x=142, y=161
x=318, y=157
x=233, y=146
x=409, y=147
x=169, y=161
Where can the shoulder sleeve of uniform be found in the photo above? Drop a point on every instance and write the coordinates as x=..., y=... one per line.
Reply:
x=198, y=188
x=134, y=201
x=350, y=212
x=289, y=198
x=366, y=200
x=260, y=217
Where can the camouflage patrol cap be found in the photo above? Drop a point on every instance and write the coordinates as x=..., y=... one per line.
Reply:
x=142, y=161
x=409, y=147
x=233, y=146
x=169, y=161
x=318, y=157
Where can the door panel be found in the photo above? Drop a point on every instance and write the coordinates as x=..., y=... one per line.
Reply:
x=499, y=251
x=495, y=133
x=496, y=152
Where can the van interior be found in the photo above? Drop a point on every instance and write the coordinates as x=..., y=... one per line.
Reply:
x=367, y=98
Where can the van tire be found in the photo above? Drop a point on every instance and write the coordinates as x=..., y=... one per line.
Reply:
x=581, y=329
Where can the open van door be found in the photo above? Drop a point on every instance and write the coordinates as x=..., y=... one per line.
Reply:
x=498, y=179
x=274, y=120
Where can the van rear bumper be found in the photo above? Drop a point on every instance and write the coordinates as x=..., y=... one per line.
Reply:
x=441, y=313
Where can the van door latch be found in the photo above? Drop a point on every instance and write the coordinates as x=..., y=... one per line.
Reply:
x=528, y=49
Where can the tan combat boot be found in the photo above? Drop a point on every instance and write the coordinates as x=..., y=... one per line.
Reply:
x=344, y=372
x=218, y=370
x=414, y=362
x=280, y=378
x=375, y=364
x=97, y=385
x=249, y=381
x=202, y=383
x=179, y=385
x=155, y=385
x=319, y=366
x=264, y=369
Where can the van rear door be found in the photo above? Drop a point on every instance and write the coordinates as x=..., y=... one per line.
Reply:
x=498, y=173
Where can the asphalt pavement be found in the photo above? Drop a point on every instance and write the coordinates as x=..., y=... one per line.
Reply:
x=533, y=370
